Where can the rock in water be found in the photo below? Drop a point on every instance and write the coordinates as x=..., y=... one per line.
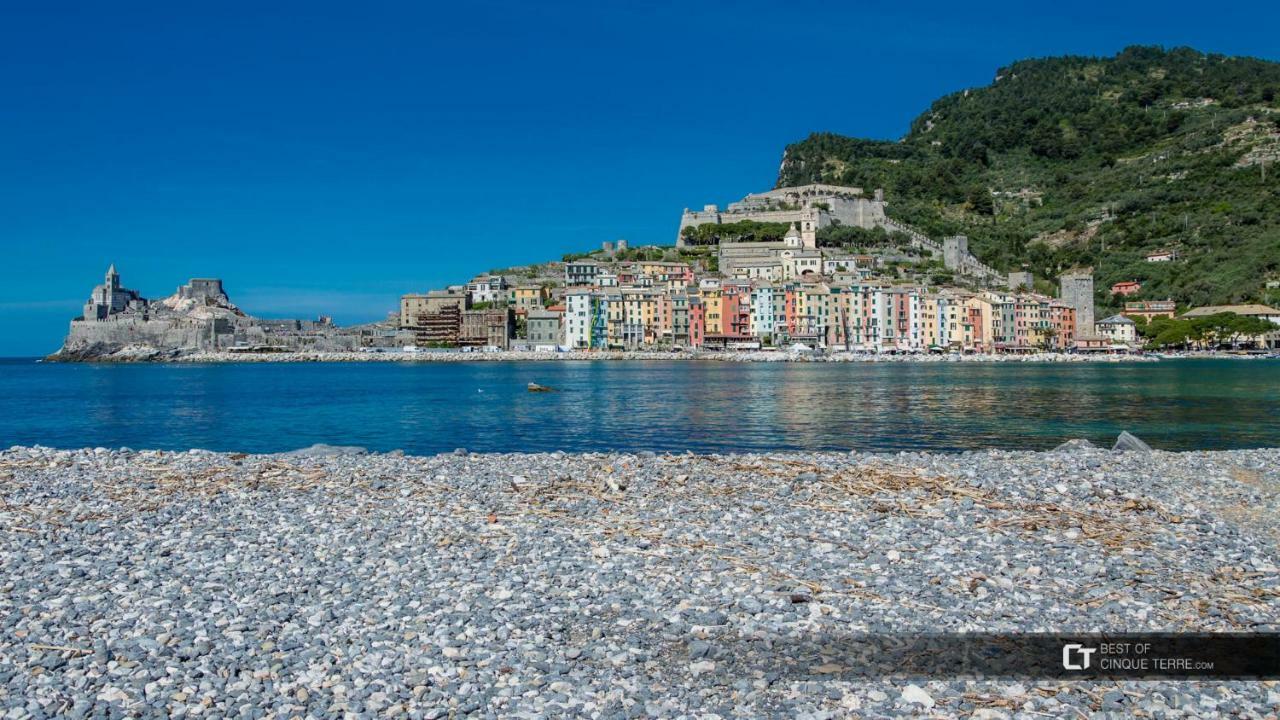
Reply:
x=1127, y=442
x=1075, y=445
x=535, y=387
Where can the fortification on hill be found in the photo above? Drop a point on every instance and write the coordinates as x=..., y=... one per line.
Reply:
x=810, y=207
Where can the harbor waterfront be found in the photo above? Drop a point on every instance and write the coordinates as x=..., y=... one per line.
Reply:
x=659, y=405
x=598, y=355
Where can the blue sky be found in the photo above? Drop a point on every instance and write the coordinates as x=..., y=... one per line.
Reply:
x=325, y=158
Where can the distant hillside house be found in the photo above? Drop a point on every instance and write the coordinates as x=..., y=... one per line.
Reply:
x=1163, y=256
x=1126, y=288
x=581, y=272
x=1149, y=309
x=487, y=289
x=528, y=297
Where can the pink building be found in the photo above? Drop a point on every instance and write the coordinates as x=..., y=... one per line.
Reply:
x=697, y=322
x=735, y=313
x=1062, y=318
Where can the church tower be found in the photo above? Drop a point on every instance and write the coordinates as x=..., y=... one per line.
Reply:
x=809, y=227
x=113, y=279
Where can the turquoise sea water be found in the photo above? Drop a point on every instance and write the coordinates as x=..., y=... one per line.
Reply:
x=640, y=405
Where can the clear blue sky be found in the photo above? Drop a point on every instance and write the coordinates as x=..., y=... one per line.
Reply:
x=325, y=158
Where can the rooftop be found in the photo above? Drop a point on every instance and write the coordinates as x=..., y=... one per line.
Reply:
x=1250, y=309
x=1116, y=320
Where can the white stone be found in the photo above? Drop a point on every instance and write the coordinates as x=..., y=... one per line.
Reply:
x=916, y=694
x=698, y=668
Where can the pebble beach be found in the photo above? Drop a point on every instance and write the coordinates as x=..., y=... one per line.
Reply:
x=332, y=582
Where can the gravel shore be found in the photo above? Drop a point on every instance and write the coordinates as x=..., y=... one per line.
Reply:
x=332, y=583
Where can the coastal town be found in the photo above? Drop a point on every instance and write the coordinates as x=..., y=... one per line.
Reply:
x=524, y=361
x=725, y=285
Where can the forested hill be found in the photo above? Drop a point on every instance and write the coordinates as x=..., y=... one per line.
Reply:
x=1092, y=161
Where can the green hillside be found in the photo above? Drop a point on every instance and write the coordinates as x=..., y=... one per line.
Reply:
x=1092, y=161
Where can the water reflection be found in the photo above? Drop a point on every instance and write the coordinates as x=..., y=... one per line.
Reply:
x=708, y=407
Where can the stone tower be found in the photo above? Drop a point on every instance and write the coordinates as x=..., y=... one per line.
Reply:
x=809, y=221
x=1021, y=278
x=112, y=283
x=955, y=250
x=1076, y=288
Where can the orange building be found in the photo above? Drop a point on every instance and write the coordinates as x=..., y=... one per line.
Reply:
x=1126, y=288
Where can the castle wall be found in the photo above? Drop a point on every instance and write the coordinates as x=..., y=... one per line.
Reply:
x=203, y=289
x=859, y=212
x=852, y=211
x=118, y=332
x=183, y=334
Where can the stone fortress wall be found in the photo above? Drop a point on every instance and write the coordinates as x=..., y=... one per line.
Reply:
x=821, y=205
x=124, y=331
x=813, y=207
x=957, y=258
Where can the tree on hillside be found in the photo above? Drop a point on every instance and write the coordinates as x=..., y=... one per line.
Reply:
x=742, y=231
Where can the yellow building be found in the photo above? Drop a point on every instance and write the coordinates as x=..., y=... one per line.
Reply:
x=529, y=297
x=640, y=324
x=984, y=339
x=929, y=331
x=713, y=309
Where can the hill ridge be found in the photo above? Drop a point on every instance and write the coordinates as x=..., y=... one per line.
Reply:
x=1077, y=160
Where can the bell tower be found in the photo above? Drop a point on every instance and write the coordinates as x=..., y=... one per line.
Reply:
x=809, y=221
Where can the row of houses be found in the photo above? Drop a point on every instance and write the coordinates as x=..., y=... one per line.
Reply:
x=860, y=315
x=658, y=303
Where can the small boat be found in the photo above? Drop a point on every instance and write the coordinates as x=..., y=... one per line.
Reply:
x=535, y=387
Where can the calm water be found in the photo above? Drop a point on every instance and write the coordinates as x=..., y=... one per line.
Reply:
x=701, y=406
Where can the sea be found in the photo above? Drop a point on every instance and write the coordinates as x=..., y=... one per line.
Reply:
x=663, y=406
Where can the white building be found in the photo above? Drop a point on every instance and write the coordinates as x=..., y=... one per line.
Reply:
x=578, y=318
x=797, y=262
x=766, y=270
x=487, y=289
x=1117, y=329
